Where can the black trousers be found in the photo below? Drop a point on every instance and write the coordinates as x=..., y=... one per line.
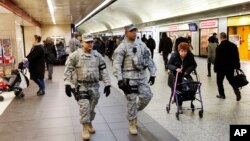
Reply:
x=179, y=87
x=152, y=53
x=229, y=75
x=165, y=58
x=209, y=68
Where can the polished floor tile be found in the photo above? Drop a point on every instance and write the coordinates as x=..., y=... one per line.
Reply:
x=55, y=116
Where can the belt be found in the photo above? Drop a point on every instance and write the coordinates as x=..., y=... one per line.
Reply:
x=83, y=95
x=83, y=92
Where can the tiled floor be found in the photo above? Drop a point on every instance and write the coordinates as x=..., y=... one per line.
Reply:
x=218, y=113
x=55, y=117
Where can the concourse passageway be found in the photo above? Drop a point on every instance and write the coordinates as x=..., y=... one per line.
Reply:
x=52, y=30
x=55, y=117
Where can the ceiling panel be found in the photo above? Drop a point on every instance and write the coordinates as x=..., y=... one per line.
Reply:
x=65, y=11
x=118, y=14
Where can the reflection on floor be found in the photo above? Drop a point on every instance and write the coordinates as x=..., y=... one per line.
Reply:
x=56, y=117
x=8, y=97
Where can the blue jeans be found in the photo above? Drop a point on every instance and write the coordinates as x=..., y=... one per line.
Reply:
x=41, y=84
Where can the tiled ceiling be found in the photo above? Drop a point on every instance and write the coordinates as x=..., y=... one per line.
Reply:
x=124, y=12
x=65, y=11
x=119, y=13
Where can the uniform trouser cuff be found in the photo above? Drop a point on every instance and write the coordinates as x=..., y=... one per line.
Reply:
x=84, y=111
x=84, y=120
x=131, y=118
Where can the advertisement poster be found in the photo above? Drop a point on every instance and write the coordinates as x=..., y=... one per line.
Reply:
x=6, y=44
x=235, y=39
x=6, y=50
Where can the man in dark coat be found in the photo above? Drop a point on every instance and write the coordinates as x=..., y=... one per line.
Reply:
x=151, y=45
x=36, y=59
x=99, y=46
x=50, y=56
x=214, y=36
x=75, y=43
x=226, y=60
x=144, y=39
x=111, y=47
x=165, y=47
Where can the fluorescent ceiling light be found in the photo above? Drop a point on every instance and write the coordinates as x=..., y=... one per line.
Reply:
x=51, y=10
x=93, y=12
x=53, y=19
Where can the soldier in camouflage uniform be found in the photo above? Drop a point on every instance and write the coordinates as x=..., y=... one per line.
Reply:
x=74, y=43
x=132, y=58
x=90, y=68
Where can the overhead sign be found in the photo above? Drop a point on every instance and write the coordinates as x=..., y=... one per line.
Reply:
x=209, y=24
x=172, y=28
x=238, y=21
x=176, y=27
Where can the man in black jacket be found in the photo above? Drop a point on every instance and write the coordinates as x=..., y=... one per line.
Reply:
x=226, y=60
x=50, y=56
x=165, y=47
x=151, y=45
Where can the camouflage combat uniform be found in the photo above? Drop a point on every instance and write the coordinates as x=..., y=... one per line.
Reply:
x=90, y=68
x=74, y=44
x=131, y=61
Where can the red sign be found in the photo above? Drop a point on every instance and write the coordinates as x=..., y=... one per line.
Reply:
x=172, y=28
x=8, y=59
x=209, y=24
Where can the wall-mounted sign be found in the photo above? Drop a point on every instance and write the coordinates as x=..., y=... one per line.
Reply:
x=172, y=28
x=176, y=27
x=238, y=21
x=208, y=24
x=193, y=26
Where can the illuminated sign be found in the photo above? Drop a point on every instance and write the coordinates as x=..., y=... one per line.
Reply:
x=209, y=24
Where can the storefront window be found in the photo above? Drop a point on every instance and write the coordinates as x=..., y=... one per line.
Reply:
x=204, y=35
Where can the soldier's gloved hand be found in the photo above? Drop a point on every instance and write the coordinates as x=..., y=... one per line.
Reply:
x=68, y=90
x=151, y=80
x=107, y=90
